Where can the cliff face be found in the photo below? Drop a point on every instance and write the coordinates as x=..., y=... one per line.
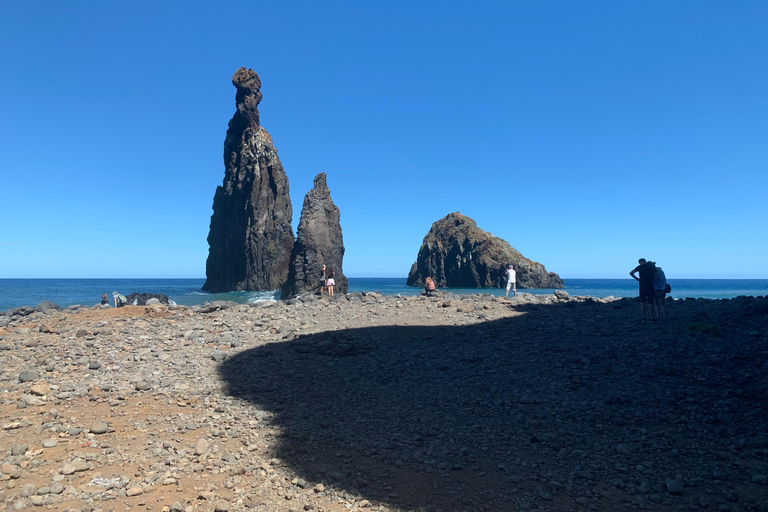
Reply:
x=250, y=236
x=458, y=254
x=318, y=242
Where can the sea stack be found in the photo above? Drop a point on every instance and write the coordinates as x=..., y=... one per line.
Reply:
x=458, y=254
x=318, y=242
x=250, y=237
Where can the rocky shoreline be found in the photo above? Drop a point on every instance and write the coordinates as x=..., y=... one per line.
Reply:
x=371, y=402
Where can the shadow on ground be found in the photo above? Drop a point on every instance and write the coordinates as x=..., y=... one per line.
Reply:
x=502, y=415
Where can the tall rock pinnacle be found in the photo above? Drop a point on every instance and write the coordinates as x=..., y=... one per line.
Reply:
x=458, y=254
x=318, y=242
x=250, y=237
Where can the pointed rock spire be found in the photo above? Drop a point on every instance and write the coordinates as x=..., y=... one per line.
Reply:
x=318, y=242
x=250, y=237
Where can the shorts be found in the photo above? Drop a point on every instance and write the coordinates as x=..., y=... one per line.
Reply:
x=647, y=294
x=511, y=285
x=660, y=295
x=330, y=282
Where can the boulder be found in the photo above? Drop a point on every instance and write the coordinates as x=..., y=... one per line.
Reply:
x=146, y=299
x=20, y=311
x=318, y=242
x=250, y=237
x=458, y=254
x=46, y=305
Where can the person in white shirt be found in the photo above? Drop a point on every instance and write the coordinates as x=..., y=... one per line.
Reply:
x=511, y=280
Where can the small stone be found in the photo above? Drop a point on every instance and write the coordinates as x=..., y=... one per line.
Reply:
x=11, y=470
x=78, y=466
x=100, y=427
x=94, y=365
x=143, y=386
x=49, y=443
x=19, y=449
x=40, y=389
x=221, y=506
x=134, y=491
x=674, y=487
x=202, y=446
x=28, y=376
x=319, y=488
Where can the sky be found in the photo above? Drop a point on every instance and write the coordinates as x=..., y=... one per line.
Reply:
x=585, y=134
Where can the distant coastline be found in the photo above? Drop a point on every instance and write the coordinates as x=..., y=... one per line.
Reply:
x=15, y=292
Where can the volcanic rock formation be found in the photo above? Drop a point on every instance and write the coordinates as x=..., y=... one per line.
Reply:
x=458, y=254
x=318, y=242
x=250, y=236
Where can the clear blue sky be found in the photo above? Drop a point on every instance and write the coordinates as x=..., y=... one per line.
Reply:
x=586, y=134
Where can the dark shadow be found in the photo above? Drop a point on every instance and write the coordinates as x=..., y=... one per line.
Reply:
x=501, y=415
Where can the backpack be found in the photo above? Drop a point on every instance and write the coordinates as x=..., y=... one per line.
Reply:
x=667, y=289
x=121, y=299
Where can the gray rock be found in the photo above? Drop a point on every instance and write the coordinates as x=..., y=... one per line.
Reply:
x=218, y=356
x=673, y=486
x=143, y=385
x=28, y=376
x=99, y=427
x=19, y=449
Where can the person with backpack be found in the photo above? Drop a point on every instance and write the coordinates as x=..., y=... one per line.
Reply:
x=660, y=290
x=120, y=300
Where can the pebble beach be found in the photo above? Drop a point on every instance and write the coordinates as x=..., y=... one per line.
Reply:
x=386, y=403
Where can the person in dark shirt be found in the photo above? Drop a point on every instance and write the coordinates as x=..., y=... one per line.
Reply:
x=322, y=281
x=646, y=270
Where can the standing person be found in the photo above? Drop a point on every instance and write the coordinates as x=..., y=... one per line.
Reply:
x=429, y=286
x=645, y=269
x=120, y=300
x=322, y=281
x=660, y=294
x=511, y=280
x=330, y=282
x=104, y=299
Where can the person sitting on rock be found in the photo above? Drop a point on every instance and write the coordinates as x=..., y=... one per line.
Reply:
x=104, y=299
x=429, y=286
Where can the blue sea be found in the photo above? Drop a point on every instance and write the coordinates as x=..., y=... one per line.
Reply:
x=65, y=292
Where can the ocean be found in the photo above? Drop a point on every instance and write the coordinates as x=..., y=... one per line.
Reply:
x=66, y=292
